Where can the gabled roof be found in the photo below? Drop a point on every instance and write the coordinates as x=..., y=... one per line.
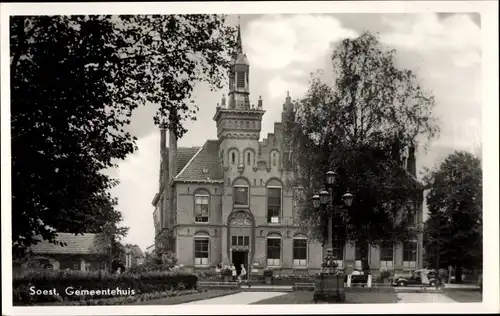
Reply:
x=204, y=165
x=184, y=154
x=75, y=244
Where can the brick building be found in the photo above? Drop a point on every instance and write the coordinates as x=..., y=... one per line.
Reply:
x=228, y=200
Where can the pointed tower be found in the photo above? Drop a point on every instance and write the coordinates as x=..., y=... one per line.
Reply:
x=238, y=78
x=239, y=123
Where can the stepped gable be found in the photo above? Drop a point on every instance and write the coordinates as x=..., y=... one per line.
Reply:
x=204, y=165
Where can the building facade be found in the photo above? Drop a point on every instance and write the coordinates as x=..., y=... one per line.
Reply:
x=230, y=199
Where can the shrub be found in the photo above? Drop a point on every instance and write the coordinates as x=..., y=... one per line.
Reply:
x=145, y=282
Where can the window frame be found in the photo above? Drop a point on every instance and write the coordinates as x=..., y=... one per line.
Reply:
x=300, y=262
x=335, y=245
x=201, y=237
x=389, y=264
x=275, y=260
x=268, y=217
x=234, y=195
x=410, y=264
x=202, y=195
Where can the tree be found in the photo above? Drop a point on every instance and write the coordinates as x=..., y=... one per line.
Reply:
x=453, y=231
x=106, y=224
x=363, y=127
x=75, y=82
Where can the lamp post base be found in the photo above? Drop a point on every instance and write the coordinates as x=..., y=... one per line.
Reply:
x=329, y=287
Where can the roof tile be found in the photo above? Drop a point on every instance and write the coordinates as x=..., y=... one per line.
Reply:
x=205, y=165
x=75, y=244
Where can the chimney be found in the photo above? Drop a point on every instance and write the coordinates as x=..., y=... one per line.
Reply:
x=163, y=139
x=411, y=164
x=172, y=156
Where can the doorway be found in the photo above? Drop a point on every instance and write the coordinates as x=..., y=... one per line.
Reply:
x=239, y=258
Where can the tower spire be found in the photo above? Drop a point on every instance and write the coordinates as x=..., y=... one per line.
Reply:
x=239, y=43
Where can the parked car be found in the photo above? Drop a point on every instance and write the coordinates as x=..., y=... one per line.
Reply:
x=414, y=278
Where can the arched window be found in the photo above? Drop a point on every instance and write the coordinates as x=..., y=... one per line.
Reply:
x=233, y=158
x=273, y=250
x=201, y=249
x=275, y=157
x=249, y=159
x=201, y=206
x=274, y=201
x=241, y=194
x=300, y=251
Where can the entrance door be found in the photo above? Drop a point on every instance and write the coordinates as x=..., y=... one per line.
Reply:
x=239, y=258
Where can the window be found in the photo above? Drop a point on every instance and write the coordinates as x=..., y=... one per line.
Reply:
x=249, y=159
x=300, y=251
x=386, y=255
x=241, y=195
x=240, y=241
x=338, y=252
x=357, y=257
x=273, y=160
x=273, y=204
x=233, y=158
x=240, y=79
x=201, y=246
x=410, y=255
x=273, y=250
x=412, y=217
x=247, y=124
x=201, y=208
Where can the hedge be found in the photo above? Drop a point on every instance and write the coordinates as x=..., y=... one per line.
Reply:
x=146, y=282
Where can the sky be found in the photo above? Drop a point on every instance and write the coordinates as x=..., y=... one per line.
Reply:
x=283, y=50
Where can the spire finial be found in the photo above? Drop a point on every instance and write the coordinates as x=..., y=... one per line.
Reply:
x=239, y=43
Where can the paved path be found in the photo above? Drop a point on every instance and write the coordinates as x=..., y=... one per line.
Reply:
x=242, y=298
x=423, y=298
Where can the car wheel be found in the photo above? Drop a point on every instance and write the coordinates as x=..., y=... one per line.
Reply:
x=402, y=283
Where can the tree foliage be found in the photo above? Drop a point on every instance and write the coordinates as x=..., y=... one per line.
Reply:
x=362, y=127
x=455, y=206
x=75, y=82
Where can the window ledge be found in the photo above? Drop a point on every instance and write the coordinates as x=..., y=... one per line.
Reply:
x=274, y=267
x=300, y=267
x=202, y=266
x=276, y=224
x=202, y=222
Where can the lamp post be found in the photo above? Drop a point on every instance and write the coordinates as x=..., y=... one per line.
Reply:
x=329, y=282
x=326, y=199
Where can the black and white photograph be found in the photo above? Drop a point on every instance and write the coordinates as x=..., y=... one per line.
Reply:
x=287, y=155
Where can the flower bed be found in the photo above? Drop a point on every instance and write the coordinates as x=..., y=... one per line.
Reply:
x=57, y=283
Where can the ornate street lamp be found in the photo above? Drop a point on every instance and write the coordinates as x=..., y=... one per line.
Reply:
x=316, y=202
x=326, y=199
x=330, y=178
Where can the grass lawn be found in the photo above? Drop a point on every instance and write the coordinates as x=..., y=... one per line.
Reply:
x=188, y=298
x=352, y=297
x=464, y=296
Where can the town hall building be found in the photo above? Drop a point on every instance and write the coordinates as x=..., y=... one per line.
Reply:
x=228, y=201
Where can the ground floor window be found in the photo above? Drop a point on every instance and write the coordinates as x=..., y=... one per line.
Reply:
x=273, y=250
x=300, y=251
x=338, y=252
x=410, y=255
x=386, y=255
x=201, y=249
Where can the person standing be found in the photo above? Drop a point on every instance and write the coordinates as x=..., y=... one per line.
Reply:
x=243, y=276
x=233, y=271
